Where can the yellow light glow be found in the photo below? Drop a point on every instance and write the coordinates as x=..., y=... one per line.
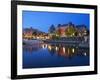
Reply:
x=73, y=34
x=64, y=49
x=73, y=50
x=49, y=47
x=85, y=54
x=37, y=37
x=56, y=48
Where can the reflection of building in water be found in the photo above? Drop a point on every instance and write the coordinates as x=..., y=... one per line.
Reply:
x=44, y=46
x=66, y=51
x=60, y=50
x=84, y=52
x=31, y=48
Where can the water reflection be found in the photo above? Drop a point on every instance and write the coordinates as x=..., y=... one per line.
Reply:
x=54, y=55
x=61, y=50
x=66, y=51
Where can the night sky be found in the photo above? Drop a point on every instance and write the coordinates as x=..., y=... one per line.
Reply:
x=43, y=20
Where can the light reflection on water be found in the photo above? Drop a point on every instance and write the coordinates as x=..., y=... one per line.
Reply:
x=54, y=55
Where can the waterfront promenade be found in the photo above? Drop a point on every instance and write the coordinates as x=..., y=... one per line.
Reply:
x=67, y=42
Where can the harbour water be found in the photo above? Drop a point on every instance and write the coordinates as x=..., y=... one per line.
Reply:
x=43, y=55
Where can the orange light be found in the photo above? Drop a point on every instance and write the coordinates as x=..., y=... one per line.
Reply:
x=64, y=49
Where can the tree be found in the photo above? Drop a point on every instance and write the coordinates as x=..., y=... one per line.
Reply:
x=59, y=25
x=52, y=29
x=70, y=31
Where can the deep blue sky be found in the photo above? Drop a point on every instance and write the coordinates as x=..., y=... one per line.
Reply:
x=43, y=20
